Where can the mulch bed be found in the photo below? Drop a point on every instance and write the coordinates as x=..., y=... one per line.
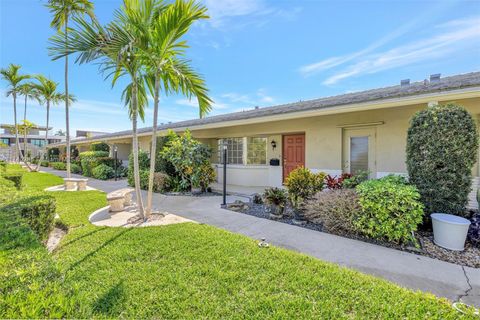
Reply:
x=470, y=257
x=194, y=194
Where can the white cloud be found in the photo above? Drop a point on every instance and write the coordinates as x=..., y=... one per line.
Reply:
x=467, y=35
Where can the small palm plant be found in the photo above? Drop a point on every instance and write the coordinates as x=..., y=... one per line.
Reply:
x=276, y=198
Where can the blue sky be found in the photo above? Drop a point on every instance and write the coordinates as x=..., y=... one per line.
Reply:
x=261, y=53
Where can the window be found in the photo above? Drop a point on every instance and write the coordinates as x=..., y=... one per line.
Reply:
x=234, y=150
x=358, y=154
x=250, y=150
x=256, y=150
x=38, y=142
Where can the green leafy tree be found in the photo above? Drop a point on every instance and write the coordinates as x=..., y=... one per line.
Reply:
x=62, y=11
x=14, y=79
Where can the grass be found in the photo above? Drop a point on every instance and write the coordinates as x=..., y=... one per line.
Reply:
x=185, y=271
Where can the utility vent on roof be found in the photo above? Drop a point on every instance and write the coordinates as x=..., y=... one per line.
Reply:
x=257, y=107
x=405, y=82
x=435, y=77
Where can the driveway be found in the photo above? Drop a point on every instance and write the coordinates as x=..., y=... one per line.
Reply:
x=405, y=269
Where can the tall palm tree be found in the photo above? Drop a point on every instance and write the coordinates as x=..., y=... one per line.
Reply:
x=62, y=11
x=115, y=47
x=162, y=55
x=14, y=80
x=28, y=91
x=48, y=94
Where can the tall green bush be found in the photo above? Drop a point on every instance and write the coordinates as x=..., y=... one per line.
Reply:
x=442, y=147
x=100, y=146
x=190, y=158
x=302, y=184
x=390, y=210
x=161, y=163
x=144, y=165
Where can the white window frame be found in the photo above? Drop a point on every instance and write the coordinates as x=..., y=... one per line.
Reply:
x=244, y=151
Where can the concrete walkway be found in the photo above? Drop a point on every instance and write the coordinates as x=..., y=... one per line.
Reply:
x=406, y=269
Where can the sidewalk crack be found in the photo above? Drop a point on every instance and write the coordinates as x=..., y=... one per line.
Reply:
x=466, y=293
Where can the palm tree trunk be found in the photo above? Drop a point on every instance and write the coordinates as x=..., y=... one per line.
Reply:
x=153, y=149
x=17, y=143
x=25, y=134
x=67, y=117
x=136, y=168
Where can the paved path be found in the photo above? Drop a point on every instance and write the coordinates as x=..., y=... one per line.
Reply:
x=408, y=270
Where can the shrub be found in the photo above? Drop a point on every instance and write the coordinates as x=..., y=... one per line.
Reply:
x=16, y=177
x=442, y=147
x=474, y=230
x=275, y=196
x=75, y=168
x=160, y=182
x=143, y=163
x=93, y=154
x=302, y=184
x=109, y=161
x=335, y=210
x=203, y=176
x=144, y=174
x=350, y=182
x=100, y=146
x=394, y=178
x=59, y=166
x=390, y=210
x=44, y=163
x=161, y=163
x=8, y=191
x=103, y=172
x=189, y=157
x=39, y=212
x=3, y=166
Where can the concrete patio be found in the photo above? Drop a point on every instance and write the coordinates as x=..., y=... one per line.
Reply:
x=406, y=269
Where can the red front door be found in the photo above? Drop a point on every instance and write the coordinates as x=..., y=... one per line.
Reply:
x=293, y=153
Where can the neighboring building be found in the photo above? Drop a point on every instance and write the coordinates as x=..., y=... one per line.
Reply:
x=364, y=130
x=35, y=141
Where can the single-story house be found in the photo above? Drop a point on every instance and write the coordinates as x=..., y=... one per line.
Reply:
x=364, y=130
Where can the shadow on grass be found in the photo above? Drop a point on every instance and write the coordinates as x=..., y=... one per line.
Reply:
x=83, y=236
x=110, y=303
x=93, y=252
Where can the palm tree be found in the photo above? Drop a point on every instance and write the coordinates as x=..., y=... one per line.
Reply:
x=161, y=55
x=14, y=79
x=116, y=47
x=28, y=91
x=62, y=10
x=48, y=94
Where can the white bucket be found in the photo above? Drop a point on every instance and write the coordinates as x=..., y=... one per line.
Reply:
x=449, y=231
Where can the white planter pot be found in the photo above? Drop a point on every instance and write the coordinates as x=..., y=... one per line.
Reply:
x=449, y=231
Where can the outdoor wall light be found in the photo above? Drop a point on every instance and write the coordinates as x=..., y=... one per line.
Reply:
x=274, y=144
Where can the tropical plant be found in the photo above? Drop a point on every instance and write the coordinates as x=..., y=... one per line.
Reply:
x=162, y=54
x=302, y=184
x=28, y=91
x=62, y=11
x=275, y=196
x=390, y=210
x=24, y=128
x=442, y=147
x=190, y=158
x=103, y=172
x=14, y=80
x=100, y=146
x=116, y=48
x=49, y=96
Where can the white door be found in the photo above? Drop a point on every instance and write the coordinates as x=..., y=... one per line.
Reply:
x=359, y=151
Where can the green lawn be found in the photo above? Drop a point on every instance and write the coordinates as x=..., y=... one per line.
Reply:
x=184, y=271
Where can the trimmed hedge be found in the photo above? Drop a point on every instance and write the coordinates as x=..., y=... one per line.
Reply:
x=75, y=168
x=59, y=165
x=103, y=172
x=442, y=147
x=16, y=177
x=390, y=210
x=39, y=212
